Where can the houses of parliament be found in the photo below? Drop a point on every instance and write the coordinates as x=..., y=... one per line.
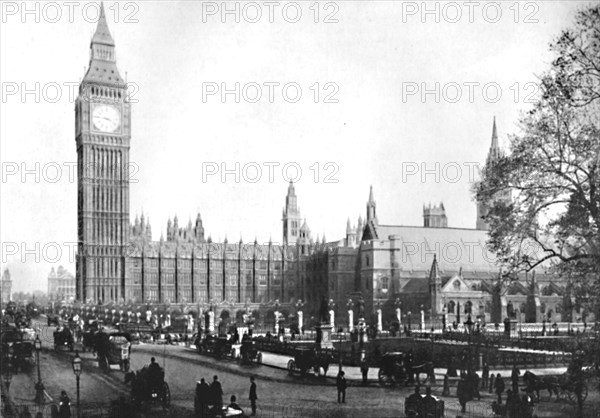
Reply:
x=386, y=265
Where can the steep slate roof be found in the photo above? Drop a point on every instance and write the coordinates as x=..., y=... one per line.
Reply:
x=455, y=248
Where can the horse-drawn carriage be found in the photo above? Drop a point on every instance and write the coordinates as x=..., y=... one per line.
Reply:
x=19, y=341
x=89, y=335
x=217, y=346
x=63, y=337
x=308, y=358
x=113, y=348
x=249, y=353
x=148, y=385
x=563, y=387
x=397, y=368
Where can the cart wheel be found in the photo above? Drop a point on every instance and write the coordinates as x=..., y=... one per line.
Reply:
x=572, y=397
x=545, y=395
x=384, y=379
x=291, y=367
x=259, y=358
x=166, y=396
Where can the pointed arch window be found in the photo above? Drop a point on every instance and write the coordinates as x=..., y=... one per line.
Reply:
x=385, y=284
x=468, y=307
x=451, y=306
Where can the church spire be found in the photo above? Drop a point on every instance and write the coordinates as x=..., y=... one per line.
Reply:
x=494, y=152
x=291, y=216
x=371, y=207
x=102, y=35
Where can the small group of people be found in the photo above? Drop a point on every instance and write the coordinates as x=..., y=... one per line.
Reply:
x=499, y=386
x=209, y=398
x=417, y=405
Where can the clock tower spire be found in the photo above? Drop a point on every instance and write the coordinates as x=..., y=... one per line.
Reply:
x=102, y=136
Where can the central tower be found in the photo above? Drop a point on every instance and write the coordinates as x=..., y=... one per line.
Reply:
x=102, y=135
x=291, y=217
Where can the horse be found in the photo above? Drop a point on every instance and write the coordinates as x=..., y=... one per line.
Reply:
x=415, y=372
x=535, y=384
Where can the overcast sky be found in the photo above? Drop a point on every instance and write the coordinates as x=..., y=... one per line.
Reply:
x=370, y=123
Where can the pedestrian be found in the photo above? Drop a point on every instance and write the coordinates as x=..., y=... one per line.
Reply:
x=491, y=386
x=364, y=369
x=512, y=404
x=64, y=410
x=202, y=398
x=414, y=404
x=474, y=383
x=216, y=392
x=253, y=396
x=499, y=386
x=514, y=377
x=429, y=404
x=463, y=392
x=446, y=389
x=485, y=376
x=341, y=387
x=233, y=404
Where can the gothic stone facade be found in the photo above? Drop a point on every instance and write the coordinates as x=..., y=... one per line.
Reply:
x=387, y=265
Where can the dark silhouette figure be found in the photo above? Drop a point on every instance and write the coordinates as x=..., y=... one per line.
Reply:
x=216, y=392
x=485, y=376
x=341, y=387
x=429, y=404
x=499, y=387
x=514, y=377
x=414, y=404
x=253, y=396
x=202, y=398
x=361, y=307
x=446, y=389
x=364, y=369
x=64, y=410
x=233, y=404
x=463, y=391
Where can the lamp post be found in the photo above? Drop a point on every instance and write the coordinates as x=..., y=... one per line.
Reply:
x=39, y=386
x=544, y=326
x=398, y=306
x=350, y=306
x=276, y=314
x=77, y=370
x=331, y=306
x=469, y=326
x=299, y=305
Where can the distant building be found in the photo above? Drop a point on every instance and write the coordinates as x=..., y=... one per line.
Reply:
x=61, y=285
x=6, y=287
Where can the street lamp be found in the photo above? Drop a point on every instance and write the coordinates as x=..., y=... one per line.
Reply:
x=398, y=306
x=39, y=386
x=469, y=324
x=77, y=370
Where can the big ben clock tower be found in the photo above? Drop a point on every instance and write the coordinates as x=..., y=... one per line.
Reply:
x=102, y=134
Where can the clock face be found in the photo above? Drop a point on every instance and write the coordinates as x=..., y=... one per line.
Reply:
x=106, y=118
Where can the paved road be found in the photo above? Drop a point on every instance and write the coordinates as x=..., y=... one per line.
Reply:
x=279, y=394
